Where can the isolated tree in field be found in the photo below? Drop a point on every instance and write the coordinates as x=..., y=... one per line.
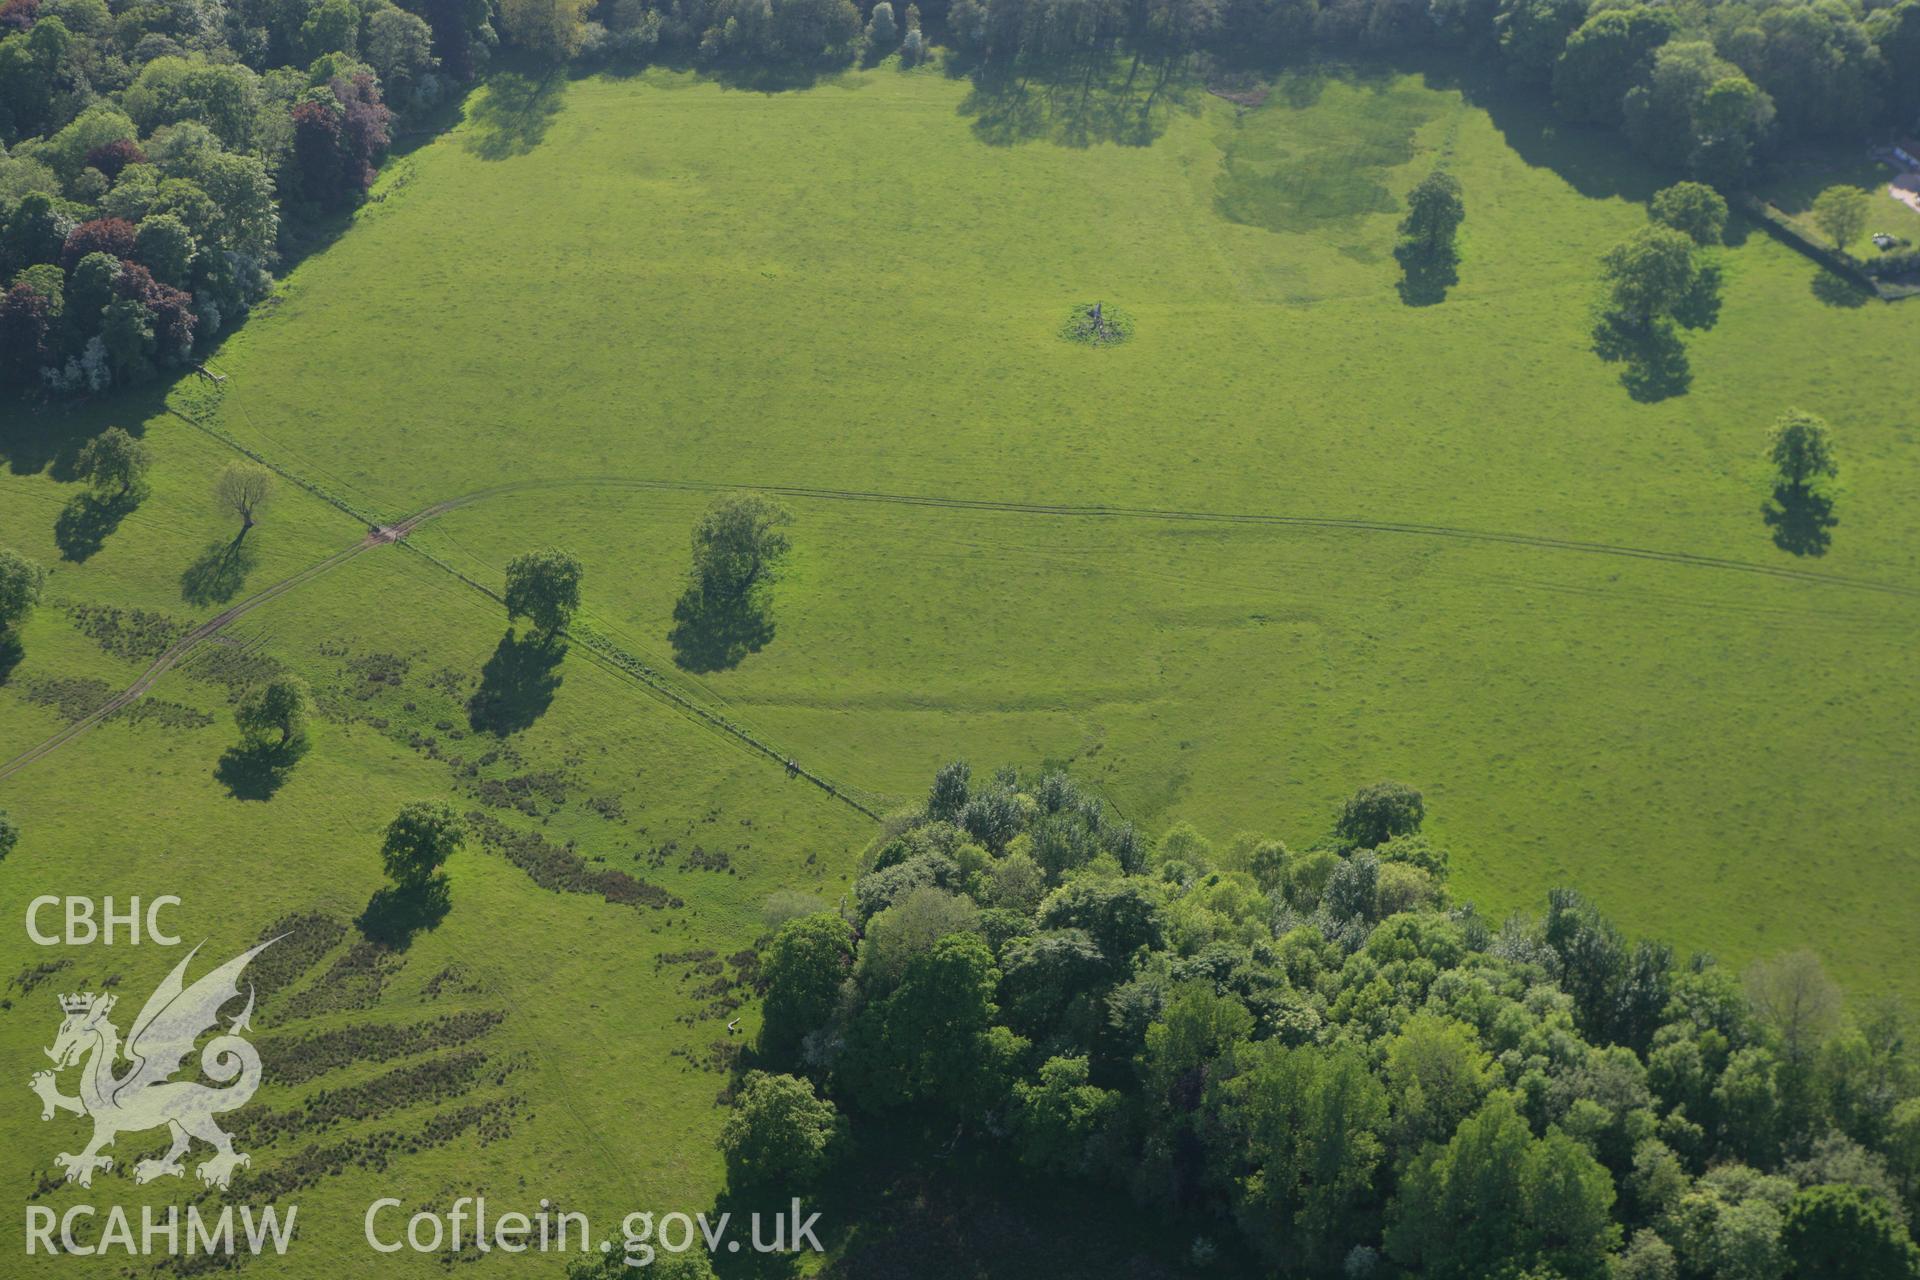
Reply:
x=114, y=461
x=1374, y=815
x=738, y=544
x=9, y=834
x=20, y=583
x=1841, y=212
x=1694, y=209
x=1651, y=274
x=1801, y=449
x=779, y=1134
x=544, y=587
x=243, y=488
x=1426, y=251
x=280, y=707
x=418, y=841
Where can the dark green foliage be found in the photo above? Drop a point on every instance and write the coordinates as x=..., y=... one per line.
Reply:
x=279, y=707
x=1353, y=1085
x=1694, y=209
x=1801, y=449
x=1426, y=250
x=1843, y=1232
x=1376, y=814
x=20, y=583
x=779, y=1135
x=420, y=838
x=803, y=969
x=544, y=587
x=9, y=834
x=113, y=461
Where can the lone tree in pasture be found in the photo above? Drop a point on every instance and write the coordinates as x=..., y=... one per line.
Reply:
x=544, y=587
x=20, y=583
x=9, y=834
x=738, y=545
x=1427, y=252
x=1694, y=209
x=1435, y=212
x=282, y=705
x=114, y=462
x=243, y=488
x=418, y=842
x=1651, y=274
x=1801, y=449
x=1841, y=212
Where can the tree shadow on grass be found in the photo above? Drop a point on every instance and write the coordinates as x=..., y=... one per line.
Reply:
x=219, y=572
x=1424, y=284
x=394, y=914
x=86, y=522
x=517, y=684
x=255, y=770
x=11, y=651
x=1836, y=290
x=713, y=631
x=1075, y=105
x=1655, y=358
x=1800, y=520
x=514, y=113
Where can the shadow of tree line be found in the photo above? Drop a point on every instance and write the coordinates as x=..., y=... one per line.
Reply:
x=512, y=114
x=1075, y=101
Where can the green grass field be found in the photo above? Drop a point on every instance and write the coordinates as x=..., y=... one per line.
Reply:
x=593, y=309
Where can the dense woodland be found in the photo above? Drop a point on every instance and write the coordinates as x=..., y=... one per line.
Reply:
x=1320, y=1059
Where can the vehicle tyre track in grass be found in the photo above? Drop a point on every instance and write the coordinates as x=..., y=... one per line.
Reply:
x=1100, y=511
x=626, y=664
x=190, y=641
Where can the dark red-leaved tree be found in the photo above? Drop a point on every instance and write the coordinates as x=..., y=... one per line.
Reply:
x=111, y=236
x=172, y=310
x=318, y=160
x=336, y=146
x=365, y=128
x=18, y=15
x=25, y=317
x=111, y=157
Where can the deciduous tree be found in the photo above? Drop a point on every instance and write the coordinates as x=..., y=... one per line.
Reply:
x=1801, y=449
x=544, y=587
x=280, y=706
x=114, y=461
x=243, y=488
x=1841, y=212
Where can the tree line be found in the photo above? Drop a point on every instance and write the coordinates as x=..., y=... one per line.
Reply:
x=158, y=161
x=1321, y=1058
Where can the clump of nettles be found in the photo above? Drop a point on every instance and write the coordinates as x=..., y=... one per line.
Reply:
x=1097, y=324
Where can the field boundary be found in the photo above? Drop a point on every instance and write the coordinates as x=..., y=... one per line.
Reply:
x=1782, y=228
x=1109, y=512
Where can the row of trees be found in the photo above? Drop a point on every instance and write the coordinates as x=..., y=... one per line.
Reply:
x=1322, y=1054
x=156, y=162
